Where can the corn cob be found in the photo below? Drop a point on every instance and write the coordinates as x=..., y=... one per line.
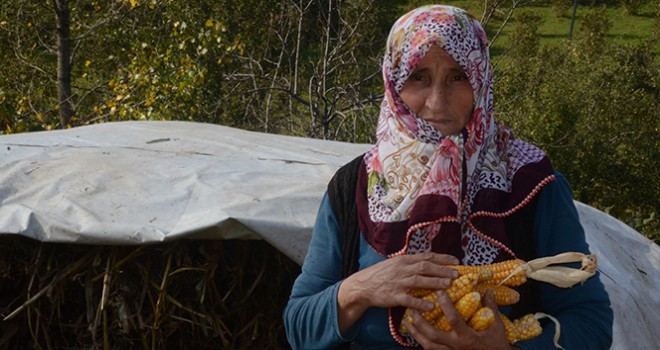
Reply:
x=503, y=294
x=459, y=287
x=462, y=286
x=484, y=274
x=476, y=280
x=527, y=327
x=501, y=272
x=482, y=319
x=466, y=307
x=420, y=293
x=437, y=309
x=509, y=328
x=427, y=315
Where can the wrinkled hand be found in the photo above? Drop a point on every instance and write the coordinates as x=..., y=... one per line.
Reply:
x=387, y=283
x=461, y=337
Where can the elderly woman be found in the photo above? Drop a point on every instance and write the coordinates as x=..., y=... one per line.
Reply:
x=444, y=184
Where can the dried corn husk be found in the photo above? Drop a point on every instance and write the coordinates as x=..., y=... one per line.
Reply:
x=560, y=276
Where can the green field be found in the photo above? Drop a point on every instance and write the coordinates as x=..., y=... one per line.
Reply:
x=625, y=29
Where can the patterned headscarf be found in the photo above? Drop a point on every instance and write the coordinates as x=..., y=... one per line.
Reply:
x=443, y=193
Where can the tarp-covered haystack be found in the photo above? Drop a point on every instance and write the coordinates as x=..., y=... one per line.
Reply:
x=143, y=235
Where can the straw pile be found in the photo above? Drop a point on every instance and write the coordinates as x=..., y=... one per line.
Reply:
x=179, y=295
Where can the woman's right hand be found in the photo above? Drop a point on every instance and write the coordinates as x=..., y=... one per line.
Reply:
x=386, y=284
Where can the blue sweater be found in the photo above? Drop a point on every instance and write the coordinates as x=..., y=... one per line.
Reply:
x=583, y=311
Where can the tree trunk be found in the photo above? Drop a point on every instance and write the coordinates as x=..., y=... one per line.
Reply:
x=570, y=32
x=63, y=18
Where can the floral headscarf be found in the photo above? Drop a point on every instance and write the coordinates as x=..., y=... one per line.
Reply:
x=443, y=193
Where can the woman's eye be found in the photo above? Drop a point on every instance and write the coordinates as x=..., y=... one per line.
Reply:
x=460, y=77
x=417, y=77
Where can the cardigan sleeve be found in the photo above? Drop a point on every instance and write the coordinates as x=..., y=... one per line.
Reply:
x=583, y=311
x=310, y=317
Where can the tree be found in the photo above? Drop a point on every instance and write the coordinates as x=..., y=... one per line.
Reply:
x=45, y=42
x=593, y=107
x=319, y=67
x=176, y=52
x=63, y=21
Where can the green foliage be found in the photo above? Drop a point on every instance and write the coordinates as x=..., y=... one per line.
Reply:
x=525, y=30
x=26, y=101
x=592, y=37
x=631, y=6
x=132, y=60
x=561, y=7
x=655, y=31
x=167, y=78
x=594, y=108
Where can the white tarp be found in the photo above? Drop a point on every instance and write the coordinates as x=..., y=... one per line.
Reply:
x=149, y=182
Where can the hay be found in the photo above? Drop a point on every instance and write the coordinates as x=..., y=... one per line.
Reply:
x=179, y=295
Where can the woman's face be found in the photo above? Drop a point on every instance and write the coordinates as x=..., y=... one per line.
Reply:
x=439, y=92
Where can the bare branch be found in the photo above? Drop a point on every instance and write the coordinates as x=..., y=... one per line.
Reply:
x=514, y=4
x=87, y=93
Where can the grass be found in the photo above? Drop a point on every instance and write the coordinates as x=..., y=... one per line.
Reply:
x=625, y=29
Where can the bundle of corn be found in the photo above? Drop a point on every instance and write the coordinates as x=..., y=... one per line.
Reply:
x=474, y=282
x=183, y=294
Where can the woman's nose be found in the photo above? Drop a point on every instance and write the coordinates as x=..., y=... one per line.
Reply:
x=435, y=101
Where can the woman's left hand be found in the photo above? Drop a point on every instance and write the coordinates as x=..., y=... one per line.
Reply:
x=461, y=337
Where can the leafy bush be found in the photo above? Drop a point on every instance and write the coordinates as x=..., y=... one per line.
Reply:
x=631, y=6
x=560, y=7
x=593, y=108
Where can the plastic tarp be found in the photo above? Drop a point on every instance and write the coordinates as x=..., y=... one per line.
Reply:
x=149, y=182
x=134, y=183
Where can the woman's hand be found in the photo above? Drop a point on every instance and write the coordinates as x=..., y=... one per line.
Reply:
x=461, y=337
x=387, y=283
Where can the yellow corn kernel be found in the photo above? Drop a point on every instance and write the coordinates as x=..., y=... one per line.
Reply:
x=501, y=271
x=509, y=328
x=437, y=309
x=430, y=316
x=459, y=287
x=406, y=316
x=466, y=307
x=482, y=319
x=503, y=294
x=527, y=327
x=484, y=274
